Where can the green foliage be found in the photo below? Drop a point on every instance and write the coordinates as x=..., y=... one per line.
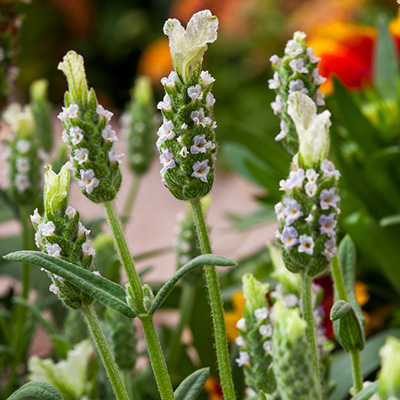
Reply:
x=40, y=390
x=367, y=392
x=103, y=290
x=190, y=388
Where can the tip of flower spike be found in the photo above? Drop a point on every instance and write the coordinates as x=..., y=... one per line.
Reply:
x=56, y=189
x=72, y=66
x=189, y=45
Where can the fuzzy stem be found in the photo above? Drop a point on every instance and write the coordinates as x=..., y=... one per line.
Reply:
x=104, y=351
x=153, y=343
x=125, y=255
x=217, y=309
x=157, y=359
x=131, y=198
x=342, y=295
x=307, y=310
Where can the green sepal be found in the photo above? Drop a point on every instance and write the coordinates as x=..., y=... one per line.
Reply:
x=191, y=386
x=103, y=290
x=348, y=330
x=205, y=259
x=40, y=390
x=347, y=262
x=367, y=392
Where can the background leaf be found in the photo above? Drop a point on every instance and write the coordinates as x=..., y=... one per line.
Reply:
x=40, y=390
x=190, y=388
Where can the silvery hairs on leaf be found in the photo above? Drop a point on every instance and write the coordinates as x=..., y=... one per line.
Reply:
x=188, y=46
x=312, y=128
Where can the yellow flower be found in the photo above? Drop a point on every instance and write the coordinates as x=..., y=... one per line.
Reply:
x=232, y=317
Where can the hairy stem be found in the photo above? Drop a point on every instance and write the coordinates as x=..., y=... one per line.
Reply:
x=307, y=310
x=104, y=351
x=217, y=309
x=157, y=359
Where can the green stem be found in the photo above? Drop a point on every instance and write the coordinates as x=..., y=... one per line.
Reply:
x=157, y=359
x=356, y=369
x=125, y=255
x=217, y=309
x=156, y=355
x=185, y=310
x=26, y=271
x=307, y=309
x=104, y=351
x=131, y=198
x=342, y=295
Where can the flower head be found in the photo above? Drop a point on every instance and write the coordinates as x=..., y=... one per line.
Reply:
x=188, y=46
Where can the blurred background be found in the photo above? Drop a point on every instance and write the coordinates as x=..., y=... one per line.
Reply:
x=121, y=40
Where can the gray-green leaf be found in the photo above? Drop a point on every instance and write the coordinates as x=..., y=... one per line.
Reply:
x=205, y=259
x=367, y=392
x=349, y=330
x=191, y=386
x=40, y=390
x=103, y=290
x=264, y=396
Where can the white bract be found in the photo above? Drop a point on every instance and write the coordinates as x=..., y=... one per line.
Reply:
x=312, y=128
x=189, y=45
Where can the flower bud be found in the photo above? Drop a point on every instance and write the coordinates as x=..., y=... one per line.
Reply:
x=138, y=124
x=293, y=368
x=255, y=337
x=187, y=136
x=188, y=46
x=22, y=156
x=296, y=72
x=61, y=234
x=89, y=135
x=389, y=377
x=312, y=128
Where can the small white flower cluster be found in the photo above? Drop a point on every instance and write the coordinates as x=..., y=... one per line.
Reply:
x=265, y=330
x=301, y=74
x=290, y=210
x=22, y=165
x=168, y=131
x=75, y=137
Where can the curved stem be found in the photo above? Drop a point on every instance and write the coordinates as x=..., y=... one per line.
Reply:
x=104, y=351
x=309, y=318
x=217, y=308
x=125, y=255
x=131, y=198
x=157, y=359
x=156, y=355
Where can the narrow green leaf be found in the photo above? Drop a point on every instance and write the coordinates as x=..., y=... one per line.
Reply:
x=367, y=392
x=191, y=386
x=358, y=126
x=103, y=290
x=386, y=66
x=264, y=214
x=199, y=261
x=41, y=390
x=349, y=330
x=347, y=262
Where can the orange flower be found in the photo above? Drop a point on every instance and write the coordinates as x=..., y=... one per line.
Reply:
x=362, y=293
x=346, y=49
x=232, y=317
x=155, y=61
x=213, y=388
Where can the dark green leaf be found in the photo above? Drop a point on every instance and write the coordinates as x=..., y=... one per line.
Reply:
x=191, y=387
x=367, y=392
x=347, y=262
x=358, y=126
x=370, y=361
x=386, y=66
x=40, y=390
x=199, y=261
x=103, y=290
x=349, y=331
